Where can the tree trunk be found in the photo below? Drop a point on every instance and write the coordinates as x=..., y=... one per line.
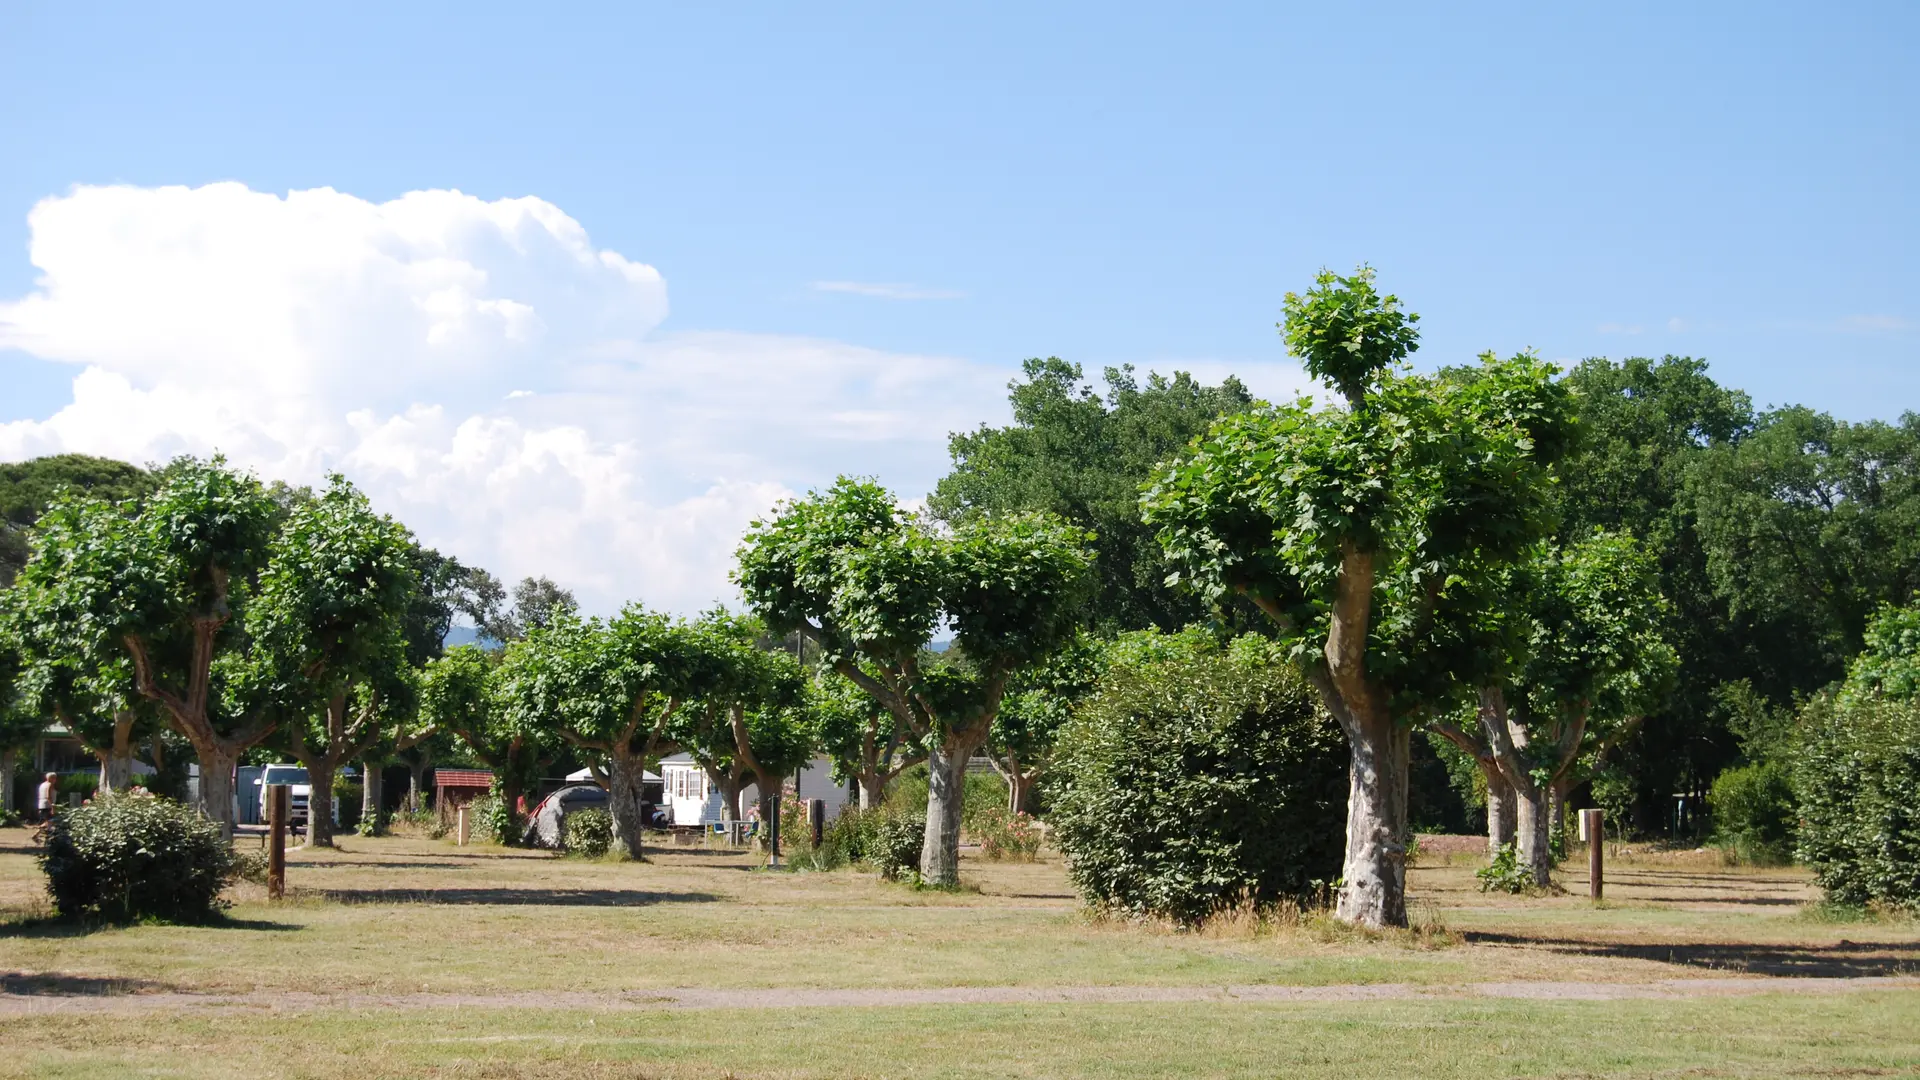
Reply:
x=624, y=777
x=1534, y=820
x=1376, y=864
x=946, y=795
x=372, y=796
x=510, y=799
x=1557, y=808
x=216, y=784
x=1019, y=790
x=416, y=784
x=873, y=790
x=8, y=760
x=1502, y=813
x=116, y=763
x=319, y=801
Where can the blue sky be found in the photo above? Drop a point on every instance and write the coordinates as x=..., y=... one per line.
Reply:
x=1109, y=183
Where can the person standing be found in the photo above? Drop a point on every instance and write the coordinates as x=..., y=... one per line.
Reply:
x=43, y=800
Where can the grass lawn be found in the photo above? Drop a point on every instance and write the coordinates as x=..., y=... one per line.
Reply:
x=422, y=917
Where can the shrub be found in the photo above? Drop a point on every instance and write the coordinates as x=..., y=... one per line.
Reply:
x=895, y=846
x=488, y=819
x=1855, y=774
x=129, y=857
x=347, y=797
x=1184, y=787
x=589, y=833
x=1504, y=873
x=83, y=784
x=854, y=834
x=985, y=793
x=1753, y=812
x=1005, y=836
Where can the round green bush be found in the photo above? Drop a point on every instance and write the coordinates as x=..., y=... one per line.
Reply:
x=1753, y=812
x=589, y=833
x=1187, y=785
x=126, y=857
x=895, y=846
x=1855, y=775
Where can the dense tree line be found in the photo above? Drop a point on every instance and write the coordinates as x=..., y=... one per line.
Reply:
x=1610, y=584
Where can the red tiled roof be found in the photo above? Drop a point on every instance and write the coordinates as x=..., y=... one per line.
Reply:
x=463, y=778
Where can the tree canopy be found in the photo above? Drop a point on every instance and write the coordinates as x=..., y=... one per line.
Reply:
x=869, y=582
x=1072, y=452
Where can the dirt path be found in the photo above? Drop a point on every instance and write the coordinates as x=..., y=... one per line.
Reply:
x=14, y=1004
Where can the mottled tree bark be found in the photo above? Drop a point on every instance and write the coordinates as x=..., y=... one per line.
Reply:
x=1502, y=810
x=116, y=759
x=372, y=798
x=946, y=795
x=1374, y=892
x=625, y=772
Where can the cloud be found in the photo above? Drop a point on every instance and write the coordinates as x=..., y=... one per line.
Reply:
x=479, y=367
x=1677, y=325
x=885, y=291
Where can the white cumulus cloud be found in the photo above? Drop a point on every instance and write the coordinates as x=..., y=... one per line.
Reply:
x=479, y=367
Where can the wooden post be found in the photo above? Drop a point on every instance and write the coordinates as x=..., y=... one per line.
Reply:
x=817, y=820
x=773, y=830
x=1591, y=822
x=278, y=803
x=460, y=827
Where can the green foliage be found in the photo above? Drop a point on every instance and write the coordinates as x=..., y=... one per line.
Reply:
x=27, y=488
x=868, y=582
x=1189, y=785
x=1810, y=524
x=1854, y=778
x=164, y=586
x=83, y=784
x=1504, y=873
x=983, y=795
x=1645, y=425
x=589, y=833
x=1613, y=793
x=1889, y=664
x=130, y=857
x=1753, y=812
x=1006, y=836
x=600, y=683
x=1071, y=453
x=1346, y=333
x=1444, y=480
x=850, y=838
x=492, y=818
x=894, y=848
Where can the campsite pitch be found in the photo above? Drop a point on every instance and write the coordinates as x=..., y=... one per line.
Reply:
x=406, y=957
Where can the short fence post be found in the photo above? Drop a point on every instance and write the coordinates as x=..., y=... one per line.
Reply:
x=817, y=819
x=460, y=827
x=1592, y=824
x=277, y=805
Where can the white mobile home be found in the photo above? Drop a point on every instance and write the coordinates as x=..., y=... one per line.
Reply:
x=691, y=799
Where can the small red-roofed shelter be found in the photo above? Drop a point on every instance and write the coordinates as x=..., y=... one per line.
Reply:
x=454, y=788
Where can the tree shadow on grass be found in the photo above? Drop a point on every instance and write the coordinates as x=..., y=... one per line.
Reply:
x=548, y=897
x=1719, y=898
x=370, y=864
x=55, y=984
x=54, y=926
x=1842, y=960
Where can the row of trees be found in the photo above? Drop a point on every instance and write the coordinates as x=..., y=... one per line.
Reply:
x=1553, y=578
